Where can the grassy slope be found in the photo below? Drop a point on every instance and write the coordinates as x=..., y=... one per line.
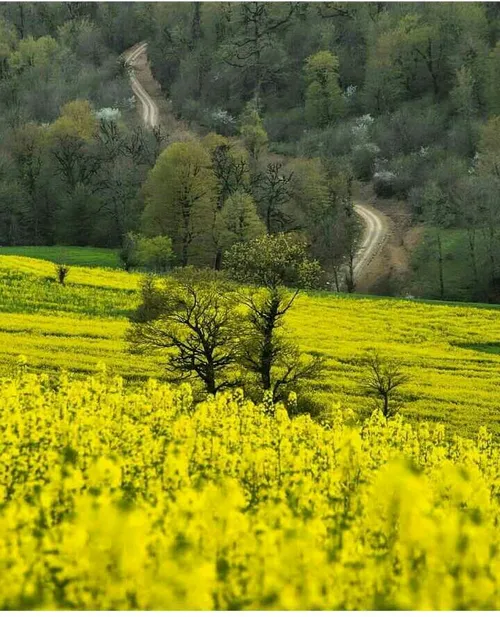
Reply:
x=69, y=255
x=449, y=351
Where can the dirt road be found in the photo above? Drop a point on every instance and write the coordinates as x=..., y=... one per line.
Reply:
x=150, y=114
x=374, y=237
x=376, y=231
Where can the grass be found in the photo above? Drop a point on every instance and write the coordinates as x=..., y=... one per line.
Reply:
x=69, y=255
x=448, y=350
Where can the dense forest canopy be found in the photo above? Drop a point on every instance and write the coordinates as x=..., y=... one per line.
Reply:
x=292, y=103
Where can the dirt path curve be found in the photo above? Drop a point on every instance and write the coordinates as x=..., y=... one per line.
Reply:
x=375, y=223
x=374, y=237
x=150, y=113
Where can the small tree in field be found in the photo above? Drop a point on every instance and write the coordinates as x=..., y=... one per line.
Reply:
x=62, y=272
x=383, y=380
x=193, y=317
x=272, y=262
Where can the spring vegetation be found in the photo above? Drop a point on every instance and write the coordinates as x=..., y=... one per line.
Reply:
x=290, y=106
x=190, y=418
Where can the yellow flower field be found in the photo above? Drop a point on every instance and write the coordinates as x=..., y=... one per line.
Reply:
x=133, y=498
x=120, y=492
x=450, y=352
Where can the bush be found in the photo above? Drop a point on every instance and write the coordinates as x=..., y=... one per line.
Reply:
x=331, y=142
x=363, y=160
x=385, y=184
x=155, y=253
x=285, y=126
x=152, y=253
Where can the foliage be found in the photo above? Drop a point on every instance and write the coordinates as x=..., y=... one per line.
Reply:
x=272, y=261
x=155, y=253
x=180, y=196
x=324, y=103
x=252, y=131
x=238, y=221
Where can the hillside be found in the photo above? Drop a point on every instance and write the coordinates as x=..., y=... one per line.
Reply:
x=449, y=351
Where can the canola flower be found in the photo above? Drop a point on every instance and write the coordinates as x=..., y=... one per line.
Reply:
x=449, y=352
x=120, y=497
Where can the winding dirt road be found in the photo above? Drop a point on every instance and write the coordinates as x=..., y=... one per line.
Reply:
x=376, y=229
x=374, y=237
x=150, y=114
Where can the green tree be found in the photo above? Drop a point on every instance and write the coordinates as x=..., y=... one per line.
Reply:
x=155, y=253
x=253, y=132
x=181, y=195
x=238, y=221
x=266, y=351
x=492, y=86
x=28, y=149
x=8, y=41
x=37, y=53
x=463, y=98
x=230, y=167
x=489, y=148
x=324, y=102
x=437, y=212
x=273, y=261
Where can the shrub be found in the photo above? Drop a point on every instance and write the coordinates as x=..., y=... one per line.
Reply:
x=384, y=184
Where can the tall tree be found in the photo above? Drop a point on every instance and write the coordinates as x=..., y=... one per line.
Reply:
x=273, y=262
x=250, y=50
x=253, y=133
x=230, y=168
x=324, y=103
x=238, y=222
x=181, y=197
x=273, y=189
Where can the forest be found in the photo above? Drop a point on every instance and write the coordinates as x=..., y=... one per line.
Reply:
x=291, y=108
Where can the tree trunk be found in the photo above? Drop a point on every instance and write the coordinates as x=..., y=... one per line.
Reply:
x=210, y=380
x=268, y=350
x=268, y=218
x=185, y=252
x=386, y=404
x=195, y=26
x=471, y=235
x=440, y=264
x=336, y=278
x=351, y=285
x=218, y=260
x=491, y=245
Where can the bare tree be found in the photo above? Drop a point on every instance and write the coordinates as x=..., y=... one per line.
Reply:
x=193, y=317
x=383, y=379
x=274, y=189
x=230, y=172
